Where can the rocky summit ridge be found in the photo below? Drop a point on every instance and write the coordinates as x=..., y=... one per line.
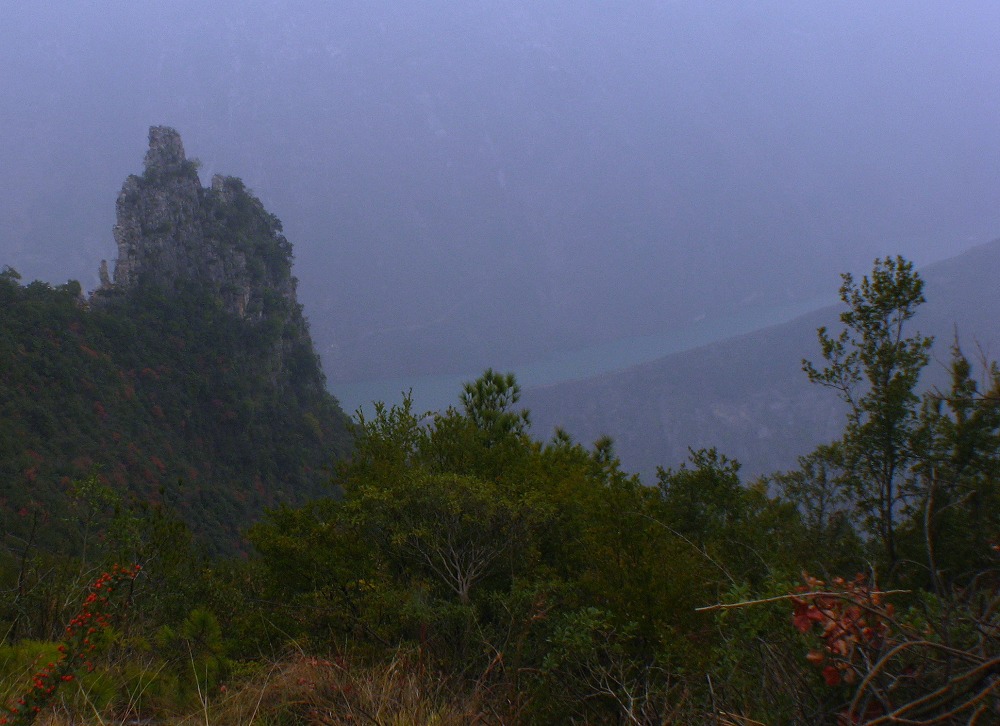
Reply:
x=171, y=232
x=189, y=381
x=216, y=244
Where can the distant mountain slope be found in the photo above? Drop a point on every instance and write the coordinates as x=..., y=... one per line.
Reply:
x=748, y=395
x=190, y=380
x=475, y=184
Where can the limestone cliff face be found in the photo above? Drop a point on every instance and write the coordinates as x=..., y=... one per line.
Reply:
x=172, y=231
x=177, y=236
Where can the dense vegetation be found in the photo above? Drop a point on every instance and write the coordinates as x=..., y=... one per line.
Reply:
x=160, y=399
x=467, y=572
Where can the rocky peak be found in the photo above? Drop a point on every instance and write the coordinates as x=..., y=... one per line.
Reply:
x=218, y=244
x=166, y=151
x=172, y=233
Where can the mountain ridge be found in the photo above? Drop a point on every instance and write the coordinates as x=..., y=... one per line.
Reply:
x=747, y=395
x=190, y=381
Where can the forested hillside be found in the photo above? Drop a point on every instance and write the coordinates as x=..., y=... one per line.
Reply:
x=189, y=382
x=467, y=573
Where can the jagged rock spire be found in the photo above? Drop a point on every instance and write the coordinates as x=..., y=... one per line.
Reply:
x=166, y=151
x=171, y=233
x=218, y=245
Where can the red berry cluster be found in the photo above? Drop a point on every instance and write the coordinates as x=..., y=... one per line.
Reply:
x=852, y=622
x=79, y=643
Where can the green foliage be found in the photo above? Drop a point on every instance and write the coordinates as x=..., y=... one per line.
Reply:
x=462, y=570
x=158, y=398
x=488, y=403
x=920, y=472
x=826, y=506
x=740, y=532
x=874, y=366
x=459, y=534
x=592, y=673
x=757, y=666
x=957, y=476
x=702, y=501
x=194, y=654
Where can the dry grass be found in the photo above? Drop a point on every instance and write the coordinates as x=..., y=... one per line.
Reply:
x=308, y=690
x=302, y=689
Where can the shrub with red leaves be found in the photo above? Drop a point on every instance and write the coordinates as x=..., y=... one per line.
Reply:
x=852, y=620
x=75, y=652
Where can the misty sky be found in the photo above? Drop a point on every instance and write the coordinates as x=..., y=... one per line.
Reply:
x=482, y=183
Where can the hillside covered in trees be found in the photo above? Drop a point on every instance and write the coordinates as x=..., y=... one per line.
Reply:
x=451, y=568
x=188, y=381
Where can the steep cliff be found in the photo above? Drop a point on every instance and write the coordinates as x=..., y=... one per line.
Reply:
x=181, y=238
x=189, y=380
x=171, y=230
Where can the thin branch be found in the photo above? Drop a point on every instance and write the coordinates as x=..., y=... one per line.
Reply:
x=795, y=596
x=884, y=660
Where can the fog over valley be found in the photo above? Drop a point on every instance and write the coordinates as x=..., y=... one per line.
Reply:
x=497, y=183
x=499, y=361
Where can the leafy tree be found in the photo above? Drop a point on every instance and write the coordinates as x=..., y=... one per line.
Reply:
x=825, y=505
x=959, y=516
x=874, y=366
x=701, y=501
x=814, y=487
x=742, y=534
x=457, y=529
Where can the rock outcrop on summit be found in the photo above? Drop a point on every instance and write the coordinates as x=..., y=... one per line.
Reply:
x=172, y=231
x=177, y=237
x=189, y=381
